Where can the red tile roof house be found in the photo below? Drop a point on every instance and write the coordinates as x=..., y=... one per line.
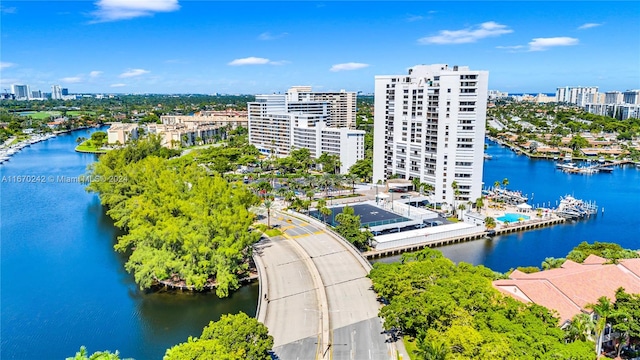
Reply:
x=569, y=289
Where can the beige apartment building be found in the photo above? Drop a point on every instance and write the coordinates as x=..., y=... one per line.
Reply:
x=121, y=133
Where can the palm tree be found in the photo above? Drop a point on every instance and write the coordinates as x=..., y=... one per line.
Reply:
x=581, y=328
x=352, y=178
x=327, y=181
x=417, y=185
x=479, y=204
x=431, y=349
x=496, y=184
x=489, y=222
x=428, y=188
x=602, y=309
x=289, y=196
x=268, y=204
x=456, y=194
x=505, y=182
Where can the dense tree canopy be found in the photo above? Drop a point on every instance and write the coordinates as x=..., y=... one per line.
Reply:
x=233, y=337
x=609, y=251
x=99, y=355
x=181, y=224
x=349, y=227
x=432, y=298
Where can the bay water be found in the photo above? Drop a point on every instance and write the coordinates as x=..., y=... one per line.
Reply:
x=62, y=283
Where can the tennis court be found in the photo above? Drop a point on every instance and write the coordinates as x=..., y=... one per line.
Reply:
x=369, y=215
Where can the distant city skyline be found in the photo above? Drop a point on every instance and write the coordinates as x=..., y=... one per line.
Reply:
x=199, y=47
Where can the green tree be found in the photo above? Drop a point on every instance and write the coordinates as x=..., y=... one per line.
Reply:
x=505, y=182
x=100, y=355
x=330, y=163
x=602, y=308
x=552, y=263
x=302, y=158
x=490, y=222
x=180, y=223
x=479, y=204
x=577, y=142
x=430, y=349
x=268, y=205
x=363, y=169
x=581, y=328
x=456, y=304
x=349, y=227
x=233, y=337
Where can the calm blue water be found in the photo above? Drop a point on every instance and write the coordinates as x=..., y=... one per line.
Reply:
x=63, y=285
x=618, y=193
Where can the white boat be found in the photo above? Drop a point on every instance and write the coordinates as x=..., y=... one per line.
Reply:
x=601, y=159
x=565, y=166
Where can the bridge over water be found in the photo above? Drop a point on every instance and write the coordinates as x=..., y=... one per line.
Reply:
x=315, y=297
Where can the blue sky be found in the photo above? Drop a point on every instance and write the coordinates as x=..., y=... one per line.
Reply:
x=178, y=46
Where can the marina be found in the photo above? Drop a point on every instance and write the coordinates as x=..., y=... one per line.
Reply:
x=9, y=148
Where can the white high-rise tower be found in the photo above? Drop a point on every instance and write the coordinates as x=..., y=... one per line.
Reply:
x=430, y=124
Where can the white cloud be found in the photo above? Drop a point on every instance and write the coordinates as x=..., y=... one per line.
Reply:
x=114, y=10
x=133, y=72
x=71, y=79
x=588, y=26
x=4, y=65
x=348, y=66
x=269, y=36
x=95, y=74
x=252, y=60
x=468, y=35
x=118, y=85
x=412, y=18
x=541, y=44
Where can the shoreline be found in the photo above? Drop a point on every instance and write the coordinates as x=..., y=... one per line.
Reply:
x=558, y=157
x=10, y=147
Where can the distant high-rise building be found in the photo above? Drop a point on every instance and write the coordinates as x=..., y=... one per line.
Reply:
x=631, y=97
x=613, y=97
x=496, y=94
x=56, y=92
x=342, y=104
x=577, y=95
x=36, y=94
x=65, y=91
x=21, y=92
x=429, y=124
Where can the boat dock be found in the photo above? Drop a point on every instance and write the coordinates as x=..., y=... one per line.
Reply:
x=529, y=225
x=572, y=208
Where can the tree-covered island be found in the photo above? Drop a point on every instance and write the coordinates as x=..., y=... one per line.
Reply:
x=183, y=225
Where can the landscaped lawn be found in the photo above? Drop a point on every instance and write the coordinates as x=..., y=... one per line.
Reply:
x=39, y=115
x=87, y=146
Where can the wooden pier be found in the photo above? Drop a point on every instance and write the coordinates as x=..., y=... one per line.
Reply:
x=529, y=225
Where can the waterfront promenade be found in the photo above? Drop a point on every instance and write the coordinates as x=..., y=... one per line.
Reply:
x=315, y=298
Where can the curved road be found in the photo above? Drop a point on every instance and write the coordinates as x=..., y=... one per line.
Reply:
x=316, y=300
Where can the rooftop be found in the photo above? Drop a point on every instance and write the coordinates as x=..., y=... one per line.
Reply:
x=571, y=287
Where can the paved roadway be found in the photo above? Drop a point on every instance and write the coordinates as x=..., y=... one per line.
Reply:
x=320, y=302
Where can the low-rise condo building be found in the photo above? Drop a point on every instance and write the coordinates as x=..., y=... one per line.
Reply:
x=279, y=123
x=121, y=133
x=570, y=288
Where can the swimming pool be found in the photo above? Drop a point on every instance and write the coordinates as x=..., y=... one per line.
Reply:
x=510, y=217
